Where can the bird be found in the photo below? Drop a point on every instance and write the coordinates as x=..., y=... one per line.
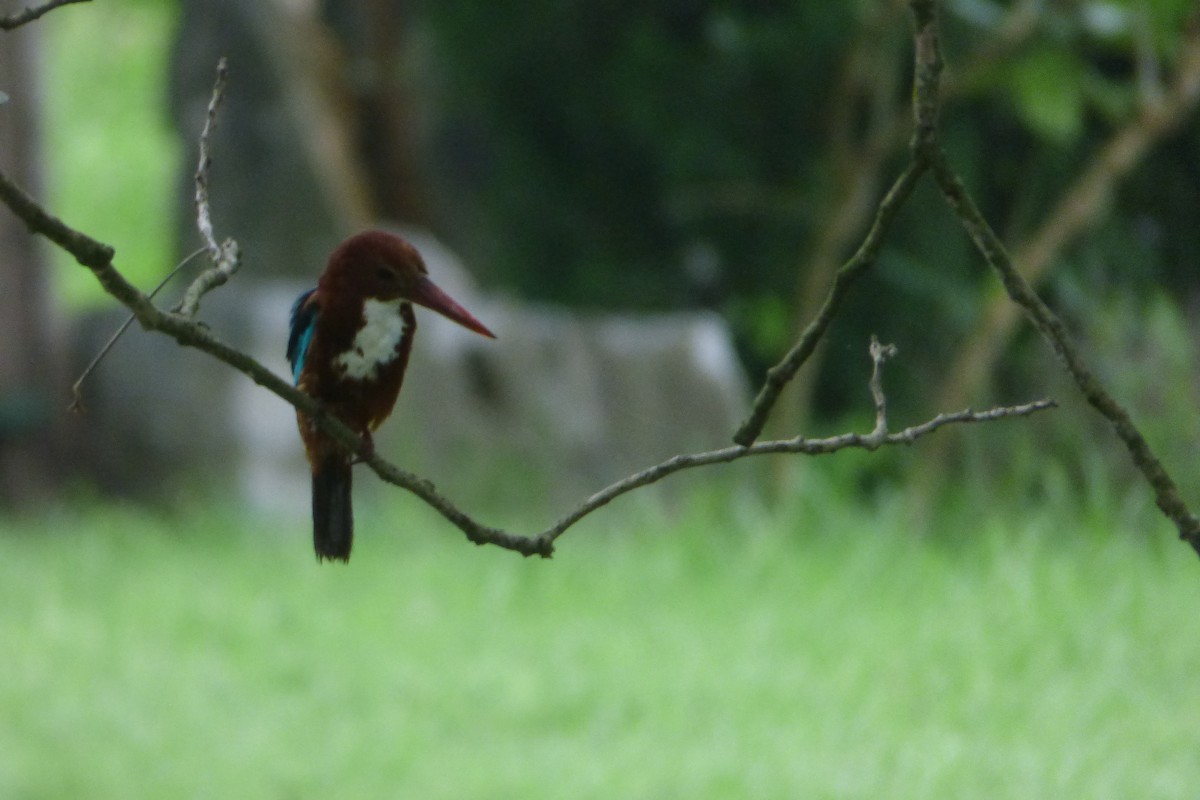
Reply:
x=349, y=342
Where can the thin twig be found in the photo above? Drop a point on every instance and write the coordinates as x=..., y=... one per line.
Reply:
x=225, y=256
x=93, y=254
x=877, y=438
x=203, y=210
x=27, y=15
x=879, y=354
x=76, y=405
x=782, y=373
x=864, y=133
x=926, y=85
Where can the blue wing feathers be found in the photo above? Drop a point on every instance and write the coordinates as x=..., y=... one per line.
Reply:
x=300, y=331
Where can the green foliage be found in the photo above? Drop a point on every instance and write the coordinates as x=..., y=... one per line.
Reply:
x=590, y=150
x=614, y=138
x=716, y=649
x=1047, y=86
x=109, y=146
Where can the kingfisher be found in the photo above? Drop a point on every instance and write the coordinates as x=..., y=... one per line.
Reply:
x=348, y=345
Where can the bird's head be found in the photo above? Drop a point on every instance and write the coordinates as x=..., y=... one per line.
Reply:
x=381, y=266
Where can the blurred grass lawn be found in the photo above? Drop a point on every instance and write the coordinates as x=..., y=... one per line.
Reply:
x=714, y=653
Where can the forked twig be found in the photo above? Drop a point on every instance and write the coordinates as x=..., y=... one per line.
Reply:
x=782, y=373
x=226, y=256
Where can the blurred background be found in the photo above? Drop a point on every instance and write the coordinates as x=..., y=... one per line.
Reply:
x=647, y=202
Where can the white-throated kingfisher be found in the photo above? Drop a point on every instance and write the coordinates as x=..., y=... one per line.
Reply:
x=348, y=345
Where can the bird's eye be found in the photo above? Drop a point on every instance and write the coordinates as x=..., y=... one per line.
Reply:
x=385, y=274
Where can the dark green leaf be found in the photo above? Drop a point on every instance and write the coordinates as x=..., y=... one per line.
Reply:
x=1047, y=88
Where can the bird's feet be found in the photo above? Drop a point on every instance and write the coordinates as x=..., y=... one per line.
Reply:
x=366, y=450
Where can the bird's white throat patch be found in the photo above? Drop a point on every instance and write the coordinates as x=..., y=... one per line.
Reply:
x=375, y=343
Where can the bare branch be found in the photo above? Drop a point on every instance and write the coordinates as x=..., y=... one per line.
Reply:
x=1051, y=328
x=782, y=373
x=867, y=129
x=879, y=354
x=927, y=73
x=92, y=254
x=1080, y=206
x=97, y=257
x=799, y=445
x=926, y=86
x=225, y=256
x=203, y=211
x=27, y=15
x=1047, y=323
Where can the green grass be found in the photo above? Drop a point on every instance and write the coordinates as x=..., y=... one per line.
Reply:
x=710, y=653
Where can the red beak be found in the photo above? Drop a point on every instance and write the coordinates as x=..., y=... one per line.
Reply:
x=425, y=293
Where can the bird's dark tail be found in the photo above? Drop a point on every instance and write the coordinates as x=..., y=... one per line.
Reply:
x=333, y=516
